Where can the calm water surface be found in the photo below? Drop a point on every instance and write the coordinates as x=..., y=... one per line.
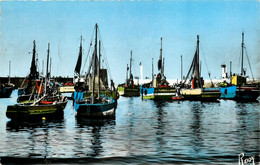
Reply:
x=143, y=132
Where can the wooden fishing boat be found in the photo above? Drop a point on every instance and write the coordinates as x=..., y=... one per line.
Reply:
x=197, y=91
x=49, y=105
x=159, y=88
x=96, y=105
x=128, y=88
x=36, y=110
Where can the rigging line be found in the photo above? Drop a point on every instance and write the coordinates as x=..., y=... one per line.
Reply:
x=105, y=57
x=205, y=60
x=88, y=50
x=249, y=64
x=239, y=60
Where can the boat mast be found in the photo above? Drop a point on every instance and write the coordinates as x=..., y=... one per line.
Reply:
x=46, y=78
x=152, y=72
x=9, y=72
x=230, y=72
x=198, y=61
x=130, y=75
x=99, y=59
x=94, y=65
x=126, y=84
x=181, y=68
x=161, y=57
x=242, y=61
x=50, y=67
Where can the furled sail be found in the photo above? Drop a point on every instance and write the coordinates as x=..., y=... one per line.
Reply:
x=33, y=70
x=78, y=65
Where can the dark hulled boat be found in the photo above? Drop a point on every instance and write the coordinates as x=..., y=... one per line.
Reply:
x=245, y=91
x=5, y=90
x=48, y=105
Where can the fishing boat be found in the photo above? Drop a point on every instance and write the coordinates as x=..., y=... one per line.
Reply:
x=245, y=91
x=196, y=91
x=159, y=88
x=6, y=89
x=48, y=105
x=129, y=88
x=96, y=105
x=31, y=84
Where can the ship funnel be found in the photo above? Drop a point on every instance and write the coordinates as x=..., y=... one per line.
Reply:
x=224, y=71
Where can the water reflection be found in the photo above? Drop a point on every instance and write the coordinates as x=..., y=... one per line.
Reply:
x=90, y=130
x=160, y=128
x=143, y=132
x=196, y=126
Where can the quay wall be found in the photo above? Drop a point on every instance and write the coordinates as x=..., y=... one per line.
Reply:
x=17, y=81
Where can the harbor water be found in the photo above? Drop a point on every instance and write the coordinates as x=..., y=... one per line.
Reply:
x=144, y=131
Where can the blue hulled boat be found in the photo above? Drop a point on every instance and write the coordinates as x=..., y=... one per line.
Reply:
x=159, y=88
x=239, y=89
x=102, y=107
x=228, y=92
x=95, y=105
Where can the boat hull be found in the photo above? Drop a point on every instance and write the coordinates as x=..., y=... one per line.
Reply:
x=99, y=110
x=247, y=93
x=201, y=94
x=228, y=92
x=25, y=111
x=67, y=89
x=5, y=92
x=128, y=92
x=158, y=93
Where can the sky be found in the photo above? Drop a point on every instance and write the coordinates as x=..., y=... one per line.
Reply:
x=131, y=25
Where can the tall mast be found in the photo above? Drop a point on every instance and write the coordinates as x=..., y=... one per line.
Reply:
x=42, y=67
x=50, y=67
x=230, y=71
x=126, y=75
x=94, y=65
x=242, y=46
x=9, y=72
x=46, y=78
x=181, y=68
x=152, y=72
x=198, y=61
x=99, y=59
x=161, y=56
x=131, y=77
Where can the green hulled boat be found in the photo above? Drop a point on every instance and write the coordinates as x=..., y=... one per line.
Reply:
x=129, y=88
x=48, y=105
